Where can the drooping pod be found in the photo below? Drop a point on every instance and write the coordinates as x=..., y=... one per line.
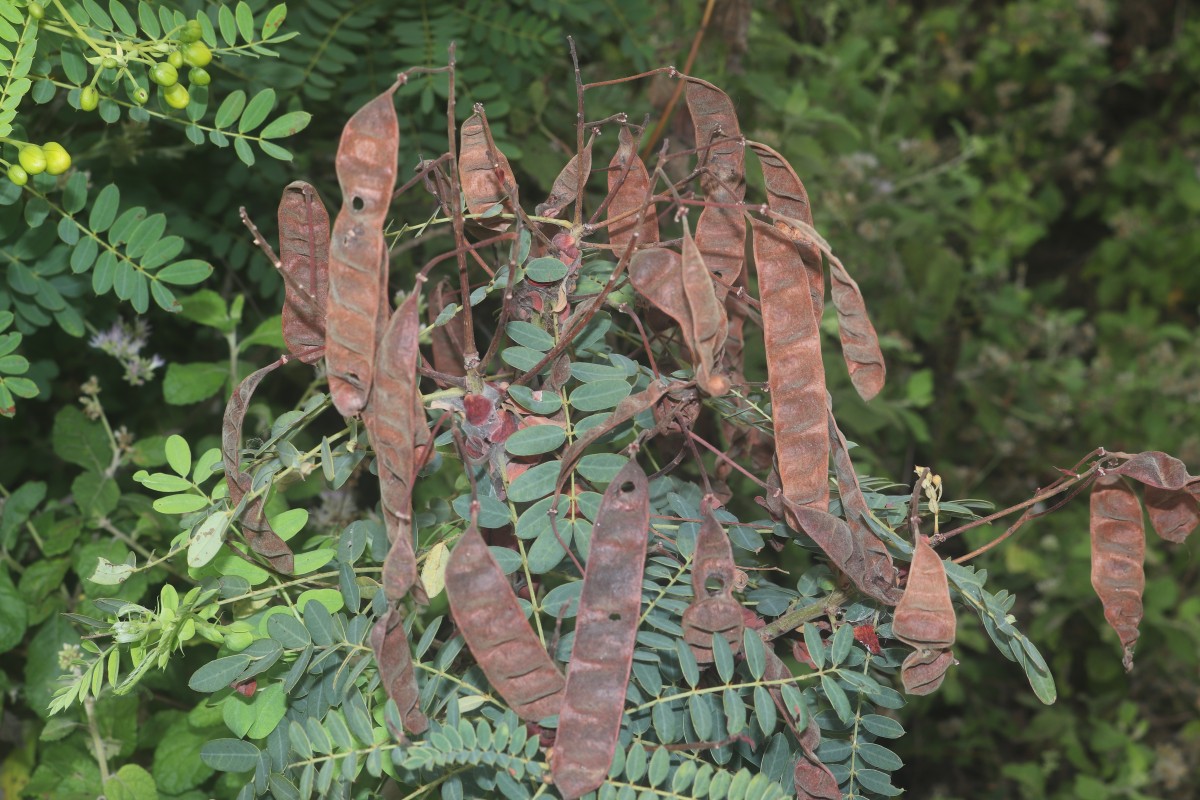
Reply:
x=721, y=230
x=794, y=370
x=1118, y=556
x=304, y=264
x=490, y=619
x=714, y=610
x=394, y=419
x=358, y=275
x=484, y=172
x=628, y=196
x=925, y=620
x=258, y=532
x=606, y=627
x=393, y=655
x=569, y=184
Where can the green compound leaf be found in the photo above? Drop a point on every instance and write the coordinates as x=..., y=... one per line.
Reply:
x=289, y=124
x=229, y=755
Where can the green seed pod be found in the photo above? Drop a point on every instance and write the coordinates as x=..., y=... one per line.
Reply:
x=89, y=98
x=140, y=96
x=164, y=75
x=36, y=10
x=33, y=159
x=198, y=76
x=58, y=160
x=197, y=54
x=18, y=175
x=176, y=96
x=191, y=32
x=108, y=62
x=175, y=59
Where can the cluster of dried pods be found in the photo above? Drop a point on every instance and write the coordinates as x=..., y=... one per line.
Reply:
x=337, y=308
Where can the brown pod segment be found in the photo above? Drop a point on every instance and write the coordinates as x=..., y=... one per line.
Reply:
x=484, y=173
x=304, y=265
x=491, y=621
x=394, y=418
x=787, y=196
x=925, y=620
x=358, y=303
x=627, y=197
x=714, y=611
x=569, y=184
x=1118, y=555
x=795, y=371
x=860, y=344
x=605, y=630
x=396, y=673
x=258, y=532
x=1174, y=514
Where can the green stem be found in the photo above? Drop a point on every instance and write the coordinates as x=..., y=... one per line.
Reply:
x=795, y=618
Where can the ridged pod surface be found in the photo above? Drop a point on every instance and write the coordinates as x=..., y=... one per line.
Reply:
x=490, y=619
x=304, y=264
x=925, y=620
x=1118, y=556
x=714, y=610
x=258, y=532
x=394, y=657
x=484, y=172
x=794, y=369
x=394, y=420
x=605, y=630
x=358, y=275
x=629, y=196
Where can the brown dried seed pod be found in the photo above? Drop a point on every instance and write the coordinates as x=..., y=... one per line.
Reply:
x=394, y=419
x=628, y=196
x=860, y=344
x=794, y=369
x=259, y=535
x=490, y=619
x=606, y=627
x=719, y=139
x=569, y=184
x=925, y=617
x=924, y=670
x=1118, y=555
x=486, y=177
x=1174, y=514
x=680, y=286
x=358, y=303
x=786, y=195
x=394, y=658
x=304, y=265
x=714, y=611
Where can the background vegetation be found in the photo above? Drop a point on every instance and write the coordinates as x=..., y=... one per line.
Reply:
x=1014, y=184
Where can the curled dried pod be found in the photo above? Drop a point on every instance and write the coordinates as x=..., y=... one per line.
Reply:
x=925, y=620
x=1118, y=555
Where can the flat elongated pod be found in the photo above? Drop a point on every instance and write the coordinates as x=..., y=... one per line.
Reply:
x=719, y=140
x=259, y=535
x=609, y=604
x=628, y=195
x=366, y=170
x=786, y=195
x=486, y=177
x=879, y=572
x=860, y=344
x=304, y=264
x=714, y=611
x=925, y=620
x=392, y=421
x=1118, y=555
x=569, y=184
x=794, y=370
x=1174, y=514
x=394, y=658
x=721, y=241
x=681, y=287
x=490, y=619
